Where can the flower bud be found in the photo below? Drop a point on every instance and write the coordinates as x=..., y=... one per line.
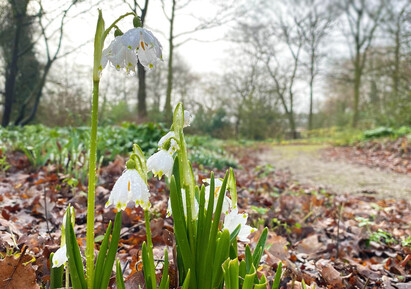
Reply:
x=137, y=22
x=118, y=32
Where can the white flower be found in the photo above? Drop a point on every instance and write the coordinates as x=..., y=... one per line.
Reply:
x=183, y=196
x=187, y=118
x=161, y=163
x=129, y=187
x=233, y=219
x=119, y=56
x=217, y=190
x=60, y=257
x=137, y=43
x=173, y=144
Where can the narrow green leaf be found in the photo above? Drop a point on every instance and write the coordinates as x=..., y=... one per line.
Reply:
x=242, y=269
x=111, y=255
x=232, y=187
x=233, y=249
x=119, y=277
x=263, y=283
x=234, y=272
x=165, y=278
x=303, y=284
x=179, y=225
x=221, y=254
x=234, y=234
x=101, y=258
x=259, y=249
x=186, y=281
x=249, y=278
x=214, y=229
x=205, y=237
x=147, y=267
x=75, y=264
x=56, y=275
x=248, y=259
x=200, y=229
x=277, y=278
x=226, y=273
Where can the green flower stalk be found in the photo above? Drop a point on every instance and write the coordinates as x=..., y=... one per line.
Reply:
x=138, y=45
x=98, y=49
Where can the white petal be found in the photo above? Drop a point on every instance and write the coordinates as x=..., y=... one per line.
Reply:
x=129, y=187
x=131, y=39
x=165, y=137
x=149, y=51
x=233, y=219
x=161, y=163
x=60, y=257
x=173, y=144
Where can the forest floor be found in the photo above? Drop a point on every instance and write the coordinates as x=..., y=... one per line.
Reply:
x=321, y=230
x=330, y=168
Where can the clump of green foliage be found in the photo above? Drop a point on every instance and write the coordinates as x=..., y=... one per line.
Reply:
x=66, y=147
x=387, y=132
x=209, y=152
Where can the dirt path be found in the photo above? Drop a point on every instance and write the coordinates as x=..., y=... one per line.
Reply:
x=307, y=166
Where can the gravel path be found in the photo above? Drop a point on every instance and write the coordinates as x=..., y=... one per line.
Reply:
x=307, y=166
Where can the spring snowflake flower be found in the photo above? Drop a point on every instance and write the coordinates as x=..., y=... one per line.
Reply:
x=227, y=204
x=233, y=219
x=137, y=44
x=60, y=257
x=183, y=196
x=130, y=187
x=173, y=144
x=161, y=163
x=188, y=117
x=119, y=56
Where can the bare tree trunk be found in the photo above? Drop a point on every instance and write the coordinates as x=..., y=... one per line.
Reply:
x=310, y=115
x=39, y=93
x=396, y=74
x=11, y=71
x=142, y=95
x=141, y=73
x=312, y=76
x=357, y=85
x=167, y=107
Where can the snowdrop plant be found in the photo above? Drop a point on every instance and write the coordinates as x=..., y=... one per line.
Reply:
x=124, y=52
x=206, y=247
x=203, y=242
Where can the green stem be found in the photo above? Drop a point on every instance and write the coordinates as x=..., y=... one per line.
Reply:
x=91, y=188
x=115, y=23
x=150, y=248
x=67, y=278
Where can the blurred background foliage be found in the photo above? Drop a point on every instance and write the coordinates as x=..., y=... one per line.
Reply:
x=292, y=69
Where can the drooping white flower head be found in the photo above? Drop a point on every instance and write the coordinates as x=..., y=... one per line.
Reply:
x=227, y=204
x=187, y=118
x=183, y=196
x=161, y=163
x=60, y=257
x=173, y=144
x=130, y=187
x=233, y=219
x=137, y=44
x=119, y=56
